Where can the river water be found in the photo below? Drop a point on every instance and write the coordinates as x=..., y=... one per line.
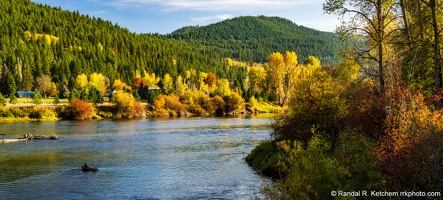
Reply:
x=181, y=158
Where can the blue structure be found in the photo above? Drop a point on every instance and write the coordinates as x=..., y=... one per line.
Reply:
x=24, y=94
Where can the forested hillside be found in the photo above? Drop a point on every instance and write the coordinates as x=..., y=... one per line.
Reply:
x=252, y=39
x=39, y=40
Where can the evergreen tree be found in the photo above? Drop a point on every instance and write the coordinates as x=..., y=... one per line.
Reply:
x=37, y=97
x=2, y=100
x=73, y=95
x=95, y=96
x=7, y=82
x=56, y=100
x=13, y=97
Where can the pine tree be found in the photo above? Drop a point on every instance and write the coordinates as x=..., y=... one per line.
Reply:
x=37, y=97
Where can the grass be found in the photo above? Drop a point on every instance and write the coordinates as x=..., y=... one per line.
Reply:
x=265, y=107
x=44, y=100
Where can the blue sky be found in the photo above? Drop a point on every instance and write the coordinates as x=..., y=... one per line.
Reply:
x=165, y=16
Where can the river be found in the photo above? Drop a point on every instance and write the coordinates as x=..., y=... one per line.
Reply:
x=179, y=158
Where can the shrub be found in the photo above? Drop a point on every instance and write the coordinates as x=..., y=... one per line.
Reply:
x=189, y=97
x=204, y=101
x=233, y=102
x=312, y=171
x=172, y=102
x=218, y=105
x=315, y=104
x=2, y=100
x=412, y=152
x=366, y=110
x=42, y=113
x=197, y=109
x=252, y=104
x=77, y=109
x=126, y=106
x=18, y=113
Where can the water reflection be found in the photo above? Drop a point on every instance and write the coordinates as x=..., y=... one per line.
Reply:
x=182, y=158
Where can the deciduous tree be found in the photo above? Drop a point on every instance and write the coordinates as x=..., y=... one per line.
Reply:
x=44, y=84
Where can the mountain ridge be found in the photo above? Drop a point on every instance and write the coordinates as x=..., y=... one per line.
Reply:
x=259, y=36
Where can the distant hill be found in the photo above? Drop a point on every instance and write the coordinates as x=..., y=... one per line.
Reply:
x=39, y=40
x=252, y=39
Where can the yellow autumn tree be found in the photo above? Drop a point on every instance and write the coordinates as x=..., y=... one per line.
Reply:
x=223, y=88
x=276, y=72
x=151, y=80
x=348, y=71
x=288, y=75
x=257, y=77
x=118, y=84
x=81, y=82
x=98, y=81
x=167, y=83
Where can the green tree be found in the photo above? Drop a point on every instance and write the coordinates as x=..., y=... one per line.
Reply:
x=7, y=82
x=56, y=100
x=37, y=97
x=2, y=100
x=95, y=96
x=73, y=95
x=13, y=97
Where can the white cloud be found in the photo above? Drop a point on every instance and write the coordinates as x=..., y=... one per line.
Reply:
x=100, y=12
x=214, y=5
x=211, y=18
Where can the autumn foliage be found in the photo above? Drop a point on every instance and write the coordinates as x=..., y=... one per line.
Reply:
x=126, y=106
x=78, y=109
x=414, y=144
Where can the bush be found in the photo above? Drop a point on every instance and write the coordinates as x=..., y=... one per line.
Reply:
x=264, y=158
x=77, y=109
x=412, y=152
x=2, y=100
x=197, y=109
x=218, y=105
x=18, y=113
x=312, y=171
x=42, y=113
x=126, y=106
x=315, y=104
x=233, y=102
x=204, y=101
x=172, y=102
x=252, y=104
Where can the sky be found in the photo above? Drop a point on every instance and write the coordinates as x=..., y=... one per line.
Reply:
x=166, y=16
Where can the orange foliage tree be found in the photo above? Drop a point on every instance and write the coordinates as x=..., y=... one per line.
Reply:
x=80, y=110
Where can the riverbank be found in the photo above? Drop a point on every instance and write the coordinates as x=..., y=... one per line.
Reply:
x=25, y=111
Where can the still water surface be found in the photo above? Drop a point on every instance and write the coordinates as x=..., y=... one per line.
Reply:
x=182, y=158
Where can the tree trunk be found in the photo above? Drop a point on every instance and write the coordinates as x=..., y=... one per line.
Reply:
x=437, y=67
x=406, y=24
x=380, y=41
